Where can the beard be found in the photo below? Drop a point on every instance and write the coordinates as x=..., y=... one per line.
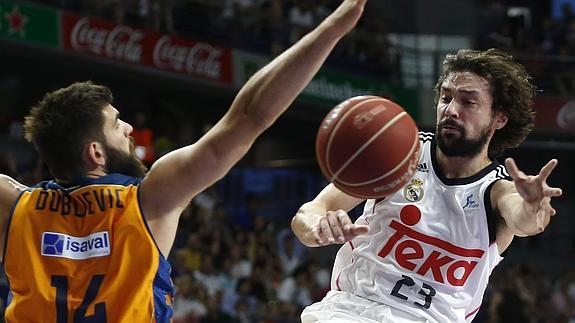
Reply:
x=124, y=163
x=453, y=146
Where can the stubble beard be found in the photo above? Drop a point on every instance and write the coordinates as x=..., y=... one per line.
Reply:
x=125, y=163
x=453, y=145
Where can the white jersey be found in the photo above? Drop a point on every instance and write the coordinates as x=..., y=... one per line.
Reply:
x=431, y=246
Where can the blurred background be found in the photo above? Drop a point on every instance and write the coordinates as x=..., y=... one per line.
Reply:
x=174, y=67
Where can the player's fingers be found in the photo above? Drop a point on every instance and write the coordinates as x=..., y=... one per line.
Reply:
x=344, y=220
x=544, y=214
x=547, y=169
x=325, y=236
x=335, y=225
x=547, y=207
x=358, y=229
x=540, y=220
x=552, y=191
x=513, y=170
x=316, y=236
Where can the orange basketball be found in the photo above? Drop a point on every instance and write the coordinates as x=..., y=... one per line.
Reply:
x=368, y=146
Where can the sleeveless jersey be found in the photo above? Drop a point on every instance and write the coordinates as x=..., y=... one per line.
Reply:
x=431, y=246
x=84, y=254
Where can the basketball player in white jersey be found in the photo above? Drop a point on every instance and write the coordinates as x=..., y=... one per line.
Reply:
x=425, y=253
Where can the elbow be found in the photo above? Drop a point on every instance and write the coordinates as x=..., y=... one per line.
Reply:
x=248, y=108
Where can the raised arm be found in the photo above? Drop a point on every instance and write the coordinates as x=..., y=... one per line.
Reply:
x=178, y=176
x=524, y=204
x=325, y=221
x=10, y=189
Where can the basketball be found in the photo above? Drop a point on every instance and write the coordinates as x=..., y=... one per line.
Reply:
x=368, y=146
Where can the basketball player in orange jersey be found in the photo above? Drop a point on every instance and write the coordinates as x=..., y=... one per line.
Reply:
x=425, y=252
x=91, y=246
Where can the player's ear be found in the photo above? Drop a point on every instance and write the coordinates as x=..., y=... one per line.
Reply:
x=500, y=120
x=95, y=154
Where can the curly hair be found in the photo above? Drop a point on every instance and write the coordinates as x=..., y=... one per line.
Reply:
x=63, y=122
x=511, y=87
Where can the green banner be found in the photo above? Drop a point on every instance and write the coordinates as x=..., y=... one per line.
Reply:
x=29, y=23
x=330, y=87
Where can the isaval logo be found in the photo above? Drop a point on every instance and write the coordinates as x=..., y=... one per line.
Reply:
x=56, y=244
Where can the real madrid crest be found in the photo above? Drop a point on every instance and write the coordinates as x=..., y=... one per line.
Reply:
x=414, y=191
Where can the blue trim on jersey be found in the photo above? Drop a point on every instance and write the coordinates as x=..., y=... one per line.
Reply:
x=139, y=195
x=164, y=291
x=110, y=179
x=8, y=299
x=163, y=285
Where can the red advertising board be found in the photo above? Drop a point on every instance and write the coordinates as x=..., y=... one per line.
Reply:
x=125, y=44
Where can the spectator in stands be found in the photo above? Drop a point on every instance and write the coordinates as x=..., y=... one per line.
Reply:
x=240, y=15
x=292, y=253
x=143, y=138
x=273, y=25
x=186, y=307
x=297, y=288
x=301, y=19
x=241, y=294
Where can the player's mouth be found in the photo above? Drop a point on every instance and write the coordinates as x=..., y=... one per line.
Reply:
x=449, y=126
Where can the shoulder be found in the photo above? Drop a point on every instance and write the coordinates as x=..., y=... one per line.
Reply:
x=502, y=186
x=10, y=190
x=500, y=189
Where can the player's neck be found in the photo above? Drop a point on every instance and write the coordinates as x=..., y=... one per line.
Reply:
x=97, y=172
x=461, y=167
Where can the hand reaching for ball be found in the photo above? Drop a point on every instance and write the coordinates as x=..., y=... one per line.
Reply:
x=336, y=227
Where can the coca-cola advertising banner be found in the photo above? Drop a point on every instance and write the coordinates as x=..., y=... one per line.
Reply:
x=135, y=46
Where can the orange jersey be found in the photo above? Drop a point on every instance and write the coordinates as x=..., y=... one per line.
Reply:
x=84, y=254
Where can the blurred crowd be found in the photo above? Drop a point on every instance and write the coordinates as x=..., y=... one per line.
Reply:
x=545, y=44
x=525, y=32
x=244, y=268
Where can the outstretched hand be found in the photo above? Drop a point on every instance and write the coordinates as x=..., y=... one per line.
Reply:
x=534, y=190
x=336, y=227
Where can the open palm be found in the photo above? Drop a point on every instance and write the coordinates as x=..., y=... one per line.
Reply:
x=534, y=189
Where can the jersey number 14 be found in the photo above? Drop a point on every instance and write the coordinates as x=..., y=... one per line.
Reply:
x=61, y=284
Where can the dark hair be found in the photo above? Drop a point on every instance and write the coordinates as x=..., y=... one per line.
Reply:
x=511, y=89
x=63, y=122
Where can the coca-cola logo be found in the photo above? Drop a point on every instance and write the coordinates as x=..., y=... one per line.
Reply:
x=120, y=43
x=199, y=59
